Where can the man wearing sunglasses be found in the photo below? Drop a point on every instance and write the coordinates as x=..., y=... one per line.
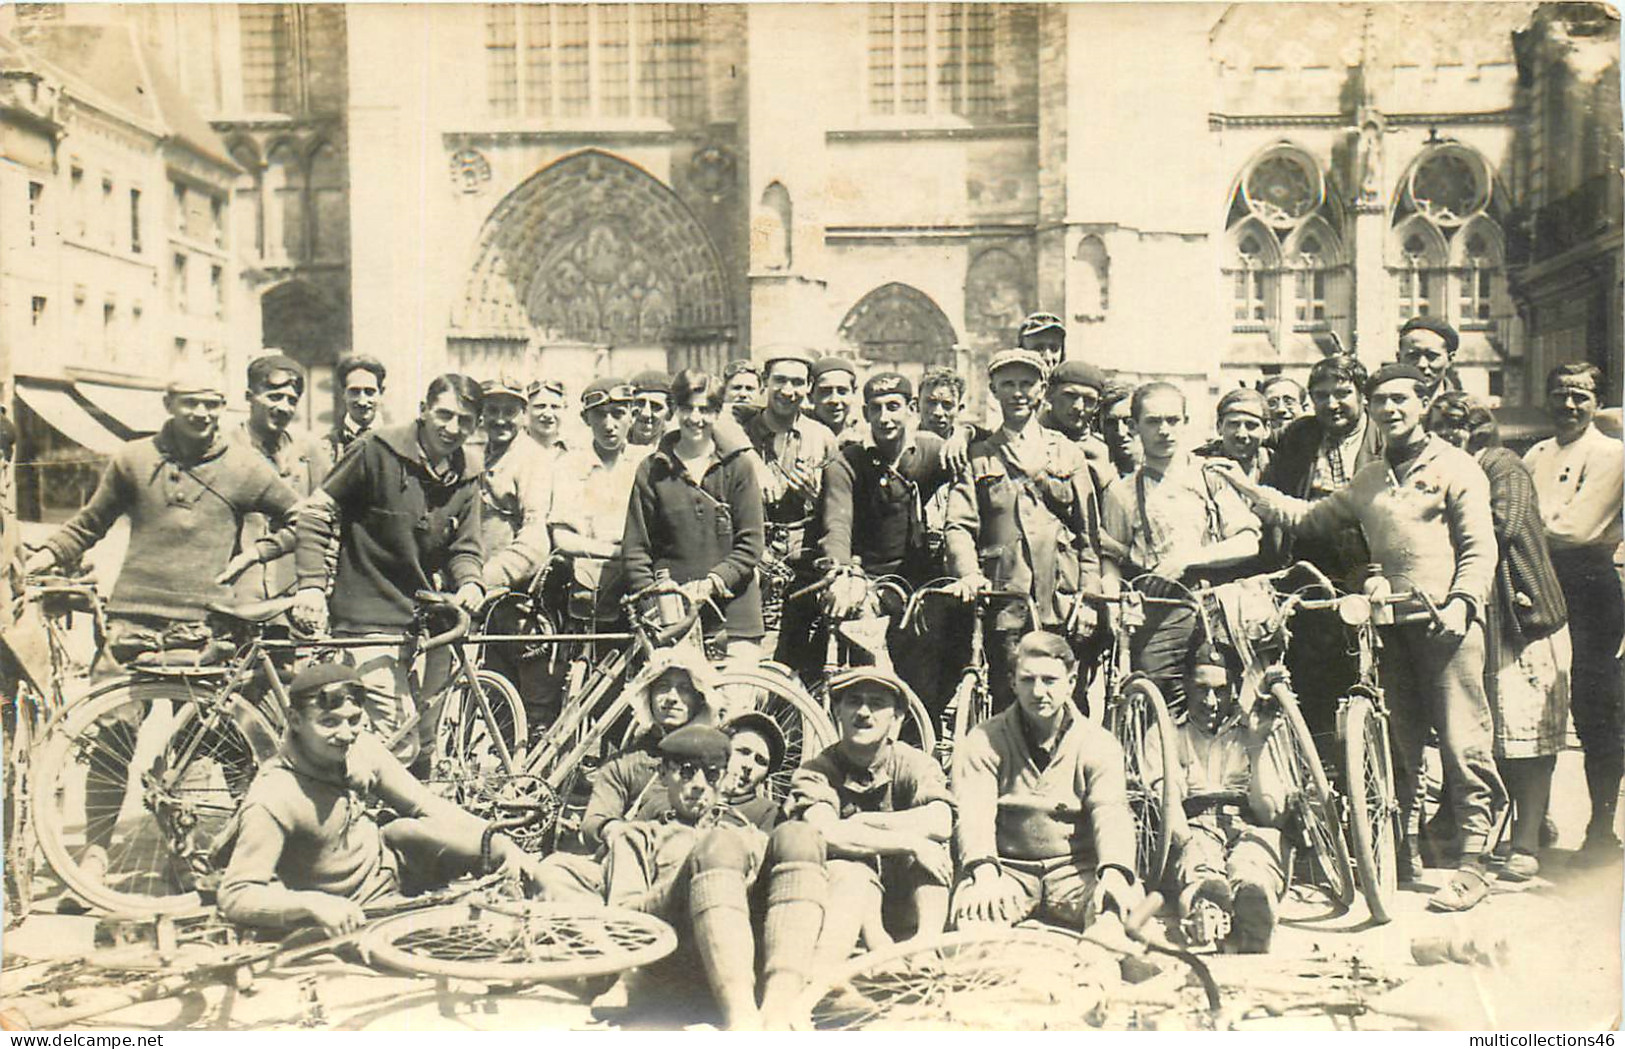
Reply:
x=705, y=869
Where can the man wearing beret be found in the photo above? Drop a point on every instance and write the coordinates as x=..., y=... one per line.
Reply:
x=1243, y=423
x=1428, y=344
x=1025, y=517
x=875, y=494
x=1071, y=400
x=885, y=813
x=305, y=846
x=707, y=870
x=1425, y=511
x=834, y=383
x=186, y=492
x=651, y=407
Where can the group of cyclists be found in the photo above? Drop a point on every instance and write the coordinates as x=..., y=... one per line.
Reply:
x=774, y=498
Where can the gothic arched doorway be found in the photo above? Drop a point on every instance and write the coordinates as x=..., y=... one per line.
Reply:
x=596, y=254
x=900, y=326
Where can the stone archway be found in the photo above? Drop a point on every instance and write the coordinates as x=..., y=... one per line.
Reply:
x=594, y=250
x=897, y=324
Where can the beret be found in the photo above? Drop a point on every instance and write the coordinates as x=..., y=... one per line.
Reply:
x=606, y=390
x=1437, y=326
x=317, y=676
x=1244, y=400
x=1006, y=358
x=1390, y=372
x=697, y=743
x=756, y=721
x=825, y=365
x=652, y=381
x=503, y=385
x=856, y=676
x=883, y=383
x=1080, y=373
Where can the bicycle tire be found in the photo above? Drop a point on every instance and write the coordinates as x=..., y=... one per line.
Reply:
x=1137, y=717
x=207, y=751
x=916, y=715
x=462, y=735
x=987, y=978
x=1373, y=814
x=1317, y=809
x=776, y=693
x=518, y=941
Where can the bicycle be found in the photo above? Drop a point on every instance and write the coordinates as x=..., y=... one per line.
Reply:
x=160, y=758
x=886, y=596
x=39, y=659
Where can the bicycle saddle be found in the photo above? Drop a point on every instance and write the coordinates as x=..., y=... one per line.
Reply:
x=253, y=611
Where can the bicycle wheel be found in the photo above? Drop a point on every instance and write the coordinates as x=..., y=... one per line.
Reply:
x=1294, y=750
x=776, y=693
x=145, y=774
x=465, y=740
x=518, y=941
x=1140, y=721
x=994, y=978
x=1373, y=813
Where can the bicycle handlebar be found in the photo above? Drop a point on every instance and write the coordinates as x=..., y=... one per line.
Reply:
x=436, y=602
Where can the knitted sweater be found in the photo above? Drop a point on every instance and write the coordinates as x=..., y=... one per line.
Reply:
x=401, y=529
x=186, y=515
x=1428, y=526
x=1529, y=602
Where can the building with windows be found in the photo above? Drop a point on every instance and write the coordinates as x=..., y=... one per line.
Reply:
x=114, y=203
x=1206, y=192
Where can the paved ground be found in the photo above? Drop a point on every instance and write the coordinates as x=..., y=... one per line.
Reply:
x=1556, y=940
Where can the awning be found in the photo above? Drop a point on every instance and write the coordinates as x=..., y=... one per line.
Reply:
x=69, y=418
x=138, y=410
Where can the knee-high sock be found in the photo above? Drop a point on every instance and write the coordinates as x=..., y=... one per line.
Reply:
x=718, y=907
x=796, y=895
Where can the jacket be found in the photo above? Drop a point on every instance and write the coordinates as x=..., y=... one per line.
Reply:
x=1341, y=554
x=302, y=463
x=874, y=512
x=1034, y=533
x=401, y=529
x=1528, y=601
x=713, y=528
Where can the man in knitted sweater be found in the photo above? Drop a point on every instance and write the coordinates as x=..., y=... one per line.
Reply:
x=186, y=492
x=1425, y=511
x=1044, y=825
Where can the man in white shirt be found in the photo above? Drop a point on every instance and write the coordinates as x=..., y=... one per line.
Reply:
x=1579, y=476
x=594, y=485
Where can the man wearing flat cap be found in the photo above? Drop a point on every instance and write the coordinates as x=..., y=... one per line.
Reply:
x=651, y=407
x=1025, y=517
x=1429, y=344
x=707, y=870
x=834, y=384
x=186, y=492
x=1425, y=511
x=586, y=525
x=1243, y=425
x=1045, y=335
x=885, y=812
x=875, y=494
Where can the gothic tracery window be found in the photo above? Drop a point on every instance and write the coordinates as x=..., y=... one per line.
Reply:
x=932, y=59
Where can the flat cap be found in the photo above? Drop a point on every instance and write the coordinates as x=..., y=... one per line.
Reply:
x=1390, y=372
x=1243, y=400
x=882, y=384
x=503, y=386
x=697, y=743
x=824, y=365
x=856, y=677
x=607, y=390
x=538, y=386
x=651, y=381
x=192, y=376
x=1007, y=358
x=318, y=676
x=1436, y=325
x=766, y=727
x=1080, y=373
x=774, y=354
x=1037, y=322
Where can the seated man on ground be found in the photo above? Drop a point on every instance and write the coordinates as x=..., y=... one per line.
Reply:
x=701, y=866
x=305, y=847
x=673, y=689
x=1044, y=825
x=1228, y=854
x=885, y=813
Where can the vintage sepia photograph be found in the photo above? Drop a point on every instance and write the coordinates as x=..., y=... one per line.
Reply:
x=702, y=517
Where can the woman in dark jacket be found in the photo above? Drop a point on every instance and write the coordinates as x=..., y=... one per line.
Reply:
x=696, y=510
x=1526, y=658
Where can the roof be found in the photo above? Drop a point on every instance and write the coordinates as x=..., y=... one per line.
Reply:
x=106, y=65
